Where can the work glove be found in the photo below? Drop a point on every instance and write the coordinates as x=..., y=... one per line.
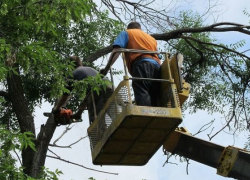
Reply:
x=56, y=111
x=76, y=116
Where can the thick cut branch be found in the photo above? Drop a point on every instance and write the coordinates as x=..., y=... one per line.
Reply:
x=212, y=28
x=177, y=34
x=94, y=56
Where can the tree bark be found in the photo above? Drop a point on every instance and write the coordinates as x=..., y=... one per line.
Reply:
x=94, y=56
x=23, y=114
x=32, y=161
x=42, y=144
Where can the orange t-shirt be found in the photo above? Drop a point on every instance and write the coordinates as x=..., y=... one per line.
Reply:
x=137, y=39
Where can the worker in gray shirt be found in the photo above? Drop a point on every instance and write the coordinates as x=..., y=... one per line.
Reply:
x=82, y=72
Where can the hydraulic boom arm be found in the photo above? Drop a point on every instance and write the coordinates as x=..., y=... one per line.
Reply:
x=229, y=161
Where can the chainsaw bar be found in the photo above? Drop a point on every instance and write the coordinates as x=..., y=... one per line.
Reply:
x=47, y=114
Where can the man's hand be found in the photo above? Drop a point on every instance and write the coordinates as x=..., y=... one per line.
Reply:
x=56, y=111
x=76, y=116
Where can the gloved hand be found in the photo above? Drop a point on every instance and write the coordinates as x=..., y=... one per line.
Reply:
x=76, y=116
x=56, y=111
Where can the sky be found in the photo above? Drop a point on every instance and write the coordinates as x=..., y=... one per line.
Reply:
x=230, y=11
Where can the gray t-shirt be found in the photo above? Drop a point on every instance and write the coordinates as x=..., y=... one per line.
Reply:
x=81, y=73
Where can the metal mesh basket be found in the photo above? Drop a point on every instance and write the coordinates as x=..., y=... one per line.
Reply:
x=112, y=109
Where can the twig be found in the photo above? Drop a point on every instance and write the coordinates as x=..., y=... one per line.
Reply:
x=227, y=124
x=64, y=132
x=69, y=146
x=54, y=153
x=18, y=157
x=80, y=165
x=78, y=141
x=217, y=45
x=245, y=51
x=201, y=129
x=169, y=155
x=187, y=164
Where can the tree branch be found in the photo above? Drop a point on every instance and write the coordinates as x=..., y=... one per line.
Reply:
x=19, y=159
x=176, y=33
x=227, y=124
x=4, y=94
x=94, y=56
x=64, y=132
x=69, y=146
x=198, y=51
x=140, y=10
x=205, y=128
x=53, y=153
x=212, y=44
x=58, y=158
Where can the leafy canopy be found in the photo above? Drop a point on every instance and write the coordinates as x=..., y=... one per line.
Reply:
x=39, y=36
x=11, y=144
x=36, y=39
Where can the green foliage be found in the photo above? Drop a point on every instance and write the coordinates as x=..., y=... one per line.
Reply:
x=30, y=39
x=49, y=175
x=36, y=39
x=247, y=144
x=215, y=73
x=203, y=89
x=42, y=36
x=26, y=139
x=93, y=83
x=246, y=13
x=92, y=34
x=10, y=146
x=91, y=178
x=15, y=141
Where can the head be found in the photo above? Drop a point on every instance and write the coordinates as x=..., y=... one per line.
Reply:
x=77, y=61
x=134, y=25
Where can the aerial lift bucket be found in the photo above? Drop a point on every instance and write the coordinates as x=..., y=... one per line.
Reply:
x=127, y=134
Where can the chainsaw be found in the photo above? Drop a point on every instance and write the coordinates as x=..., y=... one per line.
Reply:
x=64, y=117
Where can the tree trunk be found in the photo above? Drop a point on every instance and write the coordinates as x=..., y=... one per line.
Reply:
x=42, y=144
x=31, y=160
x=23, y=114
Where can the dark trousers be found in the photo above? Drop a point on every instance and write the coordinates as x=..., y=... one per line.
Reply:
x=99, y=101
x=146, y=92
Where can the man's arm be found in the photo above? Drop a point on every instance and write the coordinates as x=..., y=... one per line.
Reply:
x=120, y=42
x=112, y=59
x=62, y=101
x=116, y=55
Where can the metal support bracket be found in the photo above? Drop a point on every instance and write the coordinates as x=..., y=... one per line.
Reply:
x=227, y=160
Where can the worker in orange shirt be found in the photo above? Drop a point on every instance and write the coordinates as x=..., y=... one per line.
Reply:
x=140, y=65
